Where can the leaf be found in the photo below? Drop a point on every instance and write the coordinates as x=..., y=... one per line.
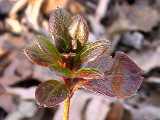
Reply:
x=60, y=44
x=78, y=30
x=122, y=79
x=59, y=22
x=48, y=47
x=78, y=46
x=126, y=86
x=102, y=86
x=93, y=50
x=85, y=75
x=89, y=73
x=103, y=63
x=37, y=56
x=51, y=93
x=143, y=22
x=61, y=71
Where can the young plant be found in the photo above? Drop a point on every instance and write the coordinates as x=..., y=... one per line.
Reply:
x=116, y=77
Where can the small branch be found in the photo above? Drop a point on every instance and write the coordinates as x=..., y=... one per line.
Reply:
x=66, y=108
x=101, y=9
x=18, y=6
x=32, y=13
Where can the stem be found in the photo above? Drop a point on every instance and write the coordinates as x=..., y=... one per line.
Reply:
x=66, y=108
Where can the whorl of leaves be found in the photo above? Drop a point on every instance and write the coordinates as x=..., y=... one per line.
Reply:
x=116, y=77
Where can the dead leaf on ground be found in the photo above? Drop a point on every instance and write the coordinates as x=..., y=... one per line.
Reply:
x=13, y=25
x=2, y=90
x=22, y=93
x=147, y=60
x=136, y=14
x=155, y=80
x=116, y=107
x=7, y=103
x=21, y=113
x=50, y=5
x=18, y=70
x=76, y=8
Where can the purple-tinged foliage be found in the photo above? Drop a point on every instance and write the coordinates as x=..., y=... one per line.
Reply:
x=116, y=77
x=122, y=77
x=59, y=22
x=50, y=93
x=37, y=56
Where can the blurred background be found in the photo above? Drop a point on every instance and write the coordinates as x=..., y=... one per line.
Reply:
x=133, y=26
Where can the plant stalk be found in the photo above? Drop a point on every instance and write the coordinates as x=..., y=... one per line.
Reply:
x=66, y=108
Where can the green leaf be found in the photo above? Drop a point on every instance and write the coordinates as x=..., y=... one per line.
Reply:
x=59, y=22
x=61, y=71
x=89, y=73
x=51, y=93
x=92, y=51
x=60, y=44
x=37, y=56
x=78, y=47
x=48, y=47
x=78, y=30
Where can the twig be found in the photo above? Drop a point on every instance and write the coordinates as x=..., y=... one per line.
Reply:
x=66, y=108
x=18, y=6
x=32, y=13
x=101, y=9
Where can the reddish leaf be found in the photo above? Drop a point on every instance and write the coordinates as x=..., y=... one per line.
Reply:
x=51, y=93
x=126, y=86
x=59, y=22
x=78, y=84
x=122, y=79
x=89, y=73
x=48, y=47
x=103, y=63
x=102, y=86
x=37, y=56
x=78, y=30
